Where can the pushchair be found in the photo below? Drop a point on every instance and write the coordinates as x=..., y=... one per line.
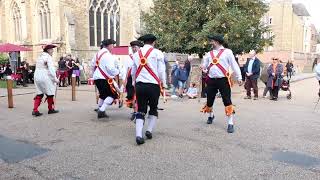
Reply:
x=285, y=86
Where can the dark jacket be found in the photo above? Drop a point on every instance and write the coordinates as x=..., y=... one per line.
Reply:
x=182, y=74
x=275, y=80
x=255, y=68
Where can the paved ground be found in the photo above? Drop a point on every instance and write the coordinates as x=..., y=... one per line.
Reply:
x=273, y=140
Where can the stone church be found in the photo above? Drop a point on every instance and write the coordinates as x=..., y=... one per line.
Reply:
x=76, y=26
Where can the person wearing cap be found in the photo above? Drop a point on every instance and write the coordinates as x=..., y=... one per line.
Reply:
x=45, y=80
x=127, y=78
x=148, y=72
x=217, y=63
x=103, y=72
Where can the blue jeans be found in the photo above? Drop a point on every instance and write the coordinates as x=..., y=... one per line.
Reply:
x=182, y=84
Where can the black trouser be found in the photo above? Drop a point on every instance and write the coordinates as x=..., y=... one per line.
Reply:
x=25, y=77
x=69, y=76
x=274, y=91
x=289, y=74
x=221, y=84
x=130, y=88
x=147, y=95
x=104, y=89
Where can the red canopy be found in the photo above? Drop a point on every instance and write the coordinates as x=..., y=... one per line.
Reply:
x=7, y=47
x=120, y=50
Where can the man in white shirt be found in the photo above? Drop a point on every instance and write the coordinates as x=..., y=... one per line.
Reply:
x=149, y=76
x=252, y=70
x=216, y=64
x=104, y=72
x=127, y=78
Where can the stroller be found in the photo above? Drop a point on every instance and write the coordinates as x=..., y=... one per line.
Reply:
x=285, y=86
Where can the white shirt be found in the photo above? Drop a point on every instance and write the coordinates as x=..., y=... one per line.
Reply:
x=250, y=65
x=127, y=64
x=227, y=60
x=155, y=62
x=317, y=70
x=107, y=63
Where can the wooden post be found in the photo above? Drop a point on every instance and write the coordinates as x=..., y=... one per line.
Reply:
x=9, y=89
x=73, y=84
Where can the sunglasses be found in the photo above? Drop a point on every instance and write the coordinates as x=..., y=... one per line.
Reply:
x=275, y=59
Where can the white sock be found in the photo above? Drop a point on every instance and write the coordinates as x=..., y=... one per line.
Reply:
x=139, y=127
x=107, y=102
x=230, y=119
x=211, y=114
x=100, y=102
x=151, y=122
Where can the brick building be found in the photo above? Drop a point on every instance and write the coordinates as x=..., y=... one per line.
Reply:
x=76, y=26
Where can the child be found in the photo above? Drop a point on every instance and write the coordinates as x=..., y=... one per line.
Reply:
x=192, y=91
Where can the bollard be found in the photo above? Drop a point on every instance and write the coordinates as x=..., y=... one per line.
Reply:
x=9, y=89
x=73, y=84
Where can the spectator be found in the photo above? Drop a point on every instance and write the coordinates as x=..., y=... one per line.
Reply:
x=76, y=70
x=1, y=71
x=174, y=80
x=182, y=76
x=252, y=70
x=192, y=92
x=25, y=70
x=187, y=64
x=264, y=79
x=62, y=72
x=275, y=75
x=316, y=67
x=289, y=67
x=69, y=67
x=7, y=70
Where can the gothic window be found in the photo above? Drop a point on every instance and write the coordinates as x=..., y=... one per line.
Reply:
x=104, y=21
x=16, y=16
x=44, y=19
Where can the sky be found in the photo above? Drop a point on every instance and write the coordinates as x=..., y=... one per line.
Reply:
x=313, y=7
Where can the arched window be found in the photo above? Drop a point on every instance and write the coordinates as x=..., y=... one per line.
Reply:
x=104, y=21
x=16, y=16
x=44, y=19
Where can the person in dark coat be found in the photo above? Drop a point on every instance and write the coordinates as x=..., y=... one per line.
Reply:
x=252, y=70
x=275, y=77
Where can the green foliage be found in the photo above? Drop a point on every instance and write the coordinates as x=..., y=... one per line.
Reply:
x=4, y=59
x=183, y=26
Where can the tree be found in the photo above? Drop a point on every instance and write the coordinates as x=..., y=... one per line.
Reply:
x=183, y=26
x=4, y=59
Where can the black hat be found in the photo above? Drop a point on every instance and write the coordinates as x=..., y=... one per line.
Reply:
x=148, y=38
x=48, y=46
x=218, y=38
x=107, y=42
x=136, y=43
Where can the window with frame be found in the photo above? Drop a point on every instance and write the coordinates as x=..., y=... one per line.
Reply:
x=16, y=17
x=44, y=19
x=104, y=21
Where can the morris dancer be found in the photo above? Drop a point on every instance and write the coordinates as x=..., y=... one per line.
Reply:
x=217, y=63
x=127, y=78
x=148, y=72
x=104, y=72
x=45, y=80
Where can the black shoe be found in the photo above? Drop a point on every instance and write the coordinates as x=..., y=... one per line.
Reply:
x=139, y=140
x=210, y=119
x=102, y=114
x=96, y=110
x=133, y=116
x=247, y=97
x=52, y=111
x=230, y=128
x=148, y=135
x=36, y=113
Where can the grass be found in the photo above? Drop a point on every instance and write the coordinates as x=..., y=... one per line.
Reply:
x=3, y=84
